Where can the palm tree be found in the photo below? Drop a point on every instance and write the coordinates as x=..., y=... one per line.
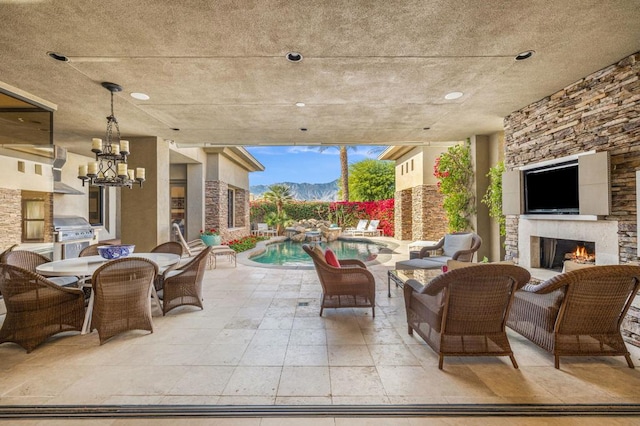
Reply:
x=278, y=194
x=344, y=168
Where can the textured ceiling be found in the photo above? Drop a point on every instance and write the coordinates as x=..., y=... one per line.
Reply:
x=373, y=72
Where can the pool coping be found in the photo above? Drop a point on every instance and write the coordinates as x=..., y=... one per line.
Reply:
x=384, y=256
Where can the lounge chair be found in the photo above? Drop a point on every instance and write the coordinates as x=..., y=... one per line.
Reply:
x=457, y=246
x=578, y=313
x=265, y=231
x=371, y=230
x=360, y=227
x=463, y=312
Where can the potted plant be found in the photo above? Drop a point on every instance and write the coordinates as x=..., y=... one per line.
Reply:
x=210, y=237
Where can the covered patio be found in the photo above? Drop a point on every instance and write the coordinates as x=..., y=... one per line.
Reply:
x=259, y=347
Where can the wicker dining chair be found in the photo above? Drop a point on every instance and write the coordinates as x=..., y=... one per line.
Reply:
x=463, y=312
x=37, y=308
x=122, y=298
x=351, y=285
x=172, y=247
x=184, y=286
x=30, y=261
x=578, y=313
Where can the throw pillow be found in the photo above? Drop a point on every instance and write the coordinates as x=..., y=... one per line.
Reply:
x=331, y=258
x=456, y=242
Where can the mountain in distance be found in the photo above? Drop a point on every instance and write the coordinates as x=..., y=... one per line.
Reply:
x=303, y=191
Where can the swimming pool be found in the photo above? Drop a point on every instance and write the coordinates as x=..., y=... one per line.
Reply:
x=289, y=253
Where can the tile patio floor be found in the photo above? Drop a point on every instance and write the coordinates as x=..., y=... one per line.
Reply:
x=254, y=344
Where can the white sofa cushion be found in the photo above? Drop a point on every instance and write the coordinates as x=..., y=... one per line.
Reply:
x=454, y=243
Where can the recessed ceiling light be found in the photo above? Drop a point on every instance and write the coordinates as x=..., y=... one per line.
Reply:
x=524, y=55
x=303, y=129
x=453, y=95
x=294, y=57
x=300, y=104
x=175, y=129
x=140, y=96
x=58, y=57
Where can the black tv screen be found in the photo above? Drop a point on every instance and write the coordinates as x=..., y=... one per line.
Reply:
x=552, y=190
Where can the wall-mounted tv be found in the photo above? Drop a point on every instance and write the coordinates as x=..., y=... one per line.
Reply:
x=552, y=189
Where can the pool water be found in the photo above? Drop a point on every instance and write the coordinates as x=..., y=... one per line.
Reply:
x=289, y=253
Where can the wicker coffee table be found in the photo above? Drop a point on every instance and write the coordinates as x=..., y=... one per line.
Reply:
x=400, y=276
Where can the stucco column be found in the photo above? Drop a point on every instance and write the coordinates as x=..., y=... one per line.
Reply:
x=145, y=212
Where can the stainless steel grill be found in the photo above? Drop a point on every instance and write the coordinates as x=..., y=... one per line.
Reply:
x=72, y=228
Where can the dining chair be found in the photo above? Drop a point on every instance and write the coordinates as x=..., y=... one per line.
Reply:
x=29, y=260
x=36, y=307
x=184, y=286
x=172, y=247
x=122, y=296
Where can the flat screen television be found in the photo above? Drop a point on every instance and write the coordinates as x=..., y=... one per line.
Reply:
x=552, y=189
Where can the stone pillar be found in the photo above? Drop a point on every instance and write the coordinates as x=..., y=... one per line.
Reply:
x=145, y=212
x=403, y=214
x=215, y=206
x=429, y=221
x=10, y=218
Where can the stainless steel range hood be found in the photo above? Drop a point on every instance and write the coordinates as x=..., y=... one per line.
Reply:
x=59, y=158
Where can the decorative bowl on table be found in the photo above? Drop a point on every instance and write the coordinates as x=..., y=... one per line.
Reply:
x=116, y=251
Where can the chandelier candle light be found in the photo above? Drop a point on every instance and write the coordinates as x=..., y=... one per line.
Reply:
x=110, y=167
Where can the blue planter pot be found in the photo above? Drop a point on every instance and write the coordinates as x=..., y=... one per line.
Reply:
x=211, y=240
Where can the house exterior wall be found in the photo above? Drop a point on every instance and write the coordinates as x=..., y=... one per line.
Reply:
x=600, y=112
x=10, y=217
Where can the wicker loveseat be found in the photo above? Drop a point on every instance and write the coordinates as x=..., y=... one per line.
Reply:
x=577, y=313
x=463, y=312
x=351, y=285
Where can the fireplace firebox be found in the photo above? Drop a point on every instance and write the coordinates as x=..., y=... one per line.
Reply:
x=555, y=251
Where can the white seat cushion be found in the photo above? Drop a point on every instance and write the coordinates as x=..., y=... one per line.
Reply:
x=454, y=243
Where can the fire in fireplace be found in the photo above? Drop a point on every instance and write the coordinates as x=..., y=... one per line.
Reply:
x=554, y=251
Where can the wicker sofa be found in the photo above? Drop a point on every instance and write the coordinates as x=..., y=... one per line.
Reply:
x=577, y=313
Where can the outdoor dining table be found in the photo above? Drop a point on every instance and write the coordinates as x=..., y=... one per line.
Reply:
x=84, y=267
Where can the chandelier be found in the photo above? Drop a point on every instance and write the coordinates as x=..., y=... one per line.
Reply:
x=110, y=167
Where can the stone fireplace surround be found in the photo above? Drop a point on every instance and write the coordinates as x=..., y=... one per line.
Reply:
x=603, y=232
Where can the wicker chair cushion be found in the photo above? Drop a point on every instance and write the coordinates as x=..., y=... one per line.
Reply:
x=331, y=259
x=454, y=243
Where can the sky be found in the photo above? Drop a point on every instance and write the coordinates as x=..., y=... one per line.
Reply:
x=302, y=164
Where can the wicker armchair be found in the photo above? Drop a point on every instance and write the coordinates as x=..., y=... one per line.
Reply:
x=577, y=313
x=184, y=286
x=37, y=308
x=350, y=286
x=460, y=255
x=30, y=261
x=122, y=301
x=463, y=312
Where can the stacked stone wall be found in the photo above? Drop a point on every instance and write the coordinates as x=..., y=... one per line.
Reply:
x=10, y=218
x=216, y=210
x=429, y=221
x=403, y=214
x=600, y=112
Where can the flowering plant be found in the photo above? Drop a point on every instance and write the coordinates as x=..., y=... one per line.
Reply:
x=211, y=231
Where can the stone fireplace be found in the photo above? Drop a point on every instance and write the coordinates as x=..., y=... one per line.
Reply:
x=602, y=235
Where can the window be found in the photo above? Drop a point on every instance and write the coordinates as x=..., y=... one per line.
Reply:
x=33, y=213
x=96, y=205
x=412, y=164
x=231, y=195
